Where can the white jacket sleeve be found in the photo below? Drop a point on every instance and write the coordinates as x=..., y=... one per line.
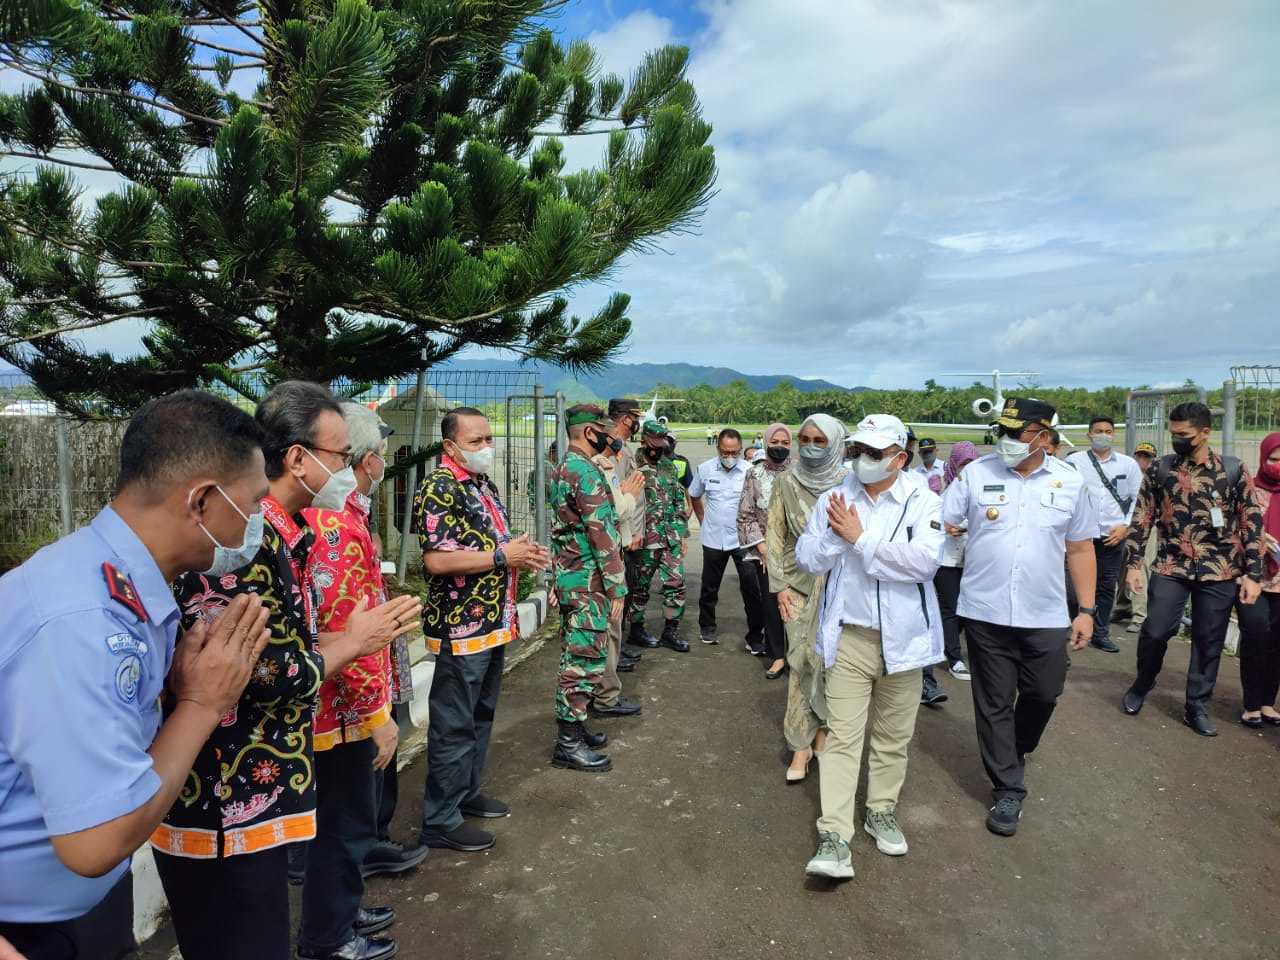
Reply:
x=819, y=547
x=955, y=501
x=913, y=560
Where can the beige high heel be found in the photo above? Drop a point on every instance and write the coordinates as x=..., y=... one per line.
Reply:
x=794, y=775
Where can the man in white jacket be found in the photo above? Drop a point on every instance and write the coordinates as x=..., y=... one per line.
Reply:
x=879, y=538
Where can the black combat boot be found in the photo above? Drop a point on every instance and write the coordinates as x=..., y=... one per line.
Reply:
x=572, y=751
x=671, y=637
x=595, y=739
x=640, y=637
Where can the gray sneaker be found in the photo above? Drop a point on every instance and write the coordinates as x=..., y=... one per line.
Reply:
x=883, y=825
x=833, y=859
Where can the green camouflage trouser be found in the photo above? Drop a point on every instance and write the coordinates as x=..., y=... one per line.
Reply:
x=668, y=565
x=584, y=654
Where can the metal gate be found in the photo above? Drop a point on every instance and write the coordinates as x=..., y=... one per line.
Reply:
x=1146, y=415
x=1251, y=410
x=532, y=424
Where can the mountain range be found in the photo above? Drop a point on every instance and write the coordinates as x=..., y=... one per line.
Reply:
x=633, y=379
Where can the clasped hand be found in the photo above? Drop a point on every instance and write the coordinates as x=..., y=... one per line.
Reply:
x=524, y=554
x=843, y=519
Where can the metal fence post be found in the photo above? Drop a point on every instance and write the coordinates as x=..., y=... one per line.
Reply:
x=539, y=468
x=411, y=482
x=1229, y=417
x=1130, y=424
x=64, y=476
x=562, y=434
x=508, y=452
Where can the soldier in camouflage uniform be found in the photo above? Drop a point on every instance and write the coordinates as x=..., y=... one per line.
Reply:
x=663, y=543
x=590, y=583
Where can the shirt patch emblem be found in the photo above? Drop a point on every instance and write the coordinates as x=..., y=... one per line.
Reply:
x=128, y=675
x=935, y=525
x=993, y=488
x=125, y=643
x=122, y=590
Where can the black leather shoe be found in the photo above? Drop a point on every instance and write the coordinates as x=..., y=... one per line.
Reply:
x=357, y=948
x=631, y=653
x=1003, y=817
x=465, y=837
x=371, y=920
x=626, y=666
x=671, y=637
x=640, y=637
x=572, y=753
x=931, y=695
x=623, y=708
x=387, y=856
x=1132, y=702
x=1199, y=721
x=595, y=739
x=486, y=808
x=1106, y=646
x=707, y=638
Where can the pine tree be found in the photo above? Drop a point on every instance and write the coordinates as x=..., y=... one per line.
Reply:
x=321, y=188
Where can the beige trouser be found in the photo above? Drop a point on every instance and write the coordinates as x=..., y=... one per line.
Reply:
x=857, y=686
x=1140, y=599
x=609, y=689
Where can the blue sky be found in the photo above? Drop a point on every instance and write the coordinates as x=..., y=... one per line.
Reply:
x=1087, y=190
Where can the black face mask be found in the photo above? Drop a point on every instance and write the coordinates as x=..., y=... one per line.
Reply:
x=599, y=443
x=652, y=454
x=616, y=445
x=778, y=454
x=911, y=455
x=1183, y=446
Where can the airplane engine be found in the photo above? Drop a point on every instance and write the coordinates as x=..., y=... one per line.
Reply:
x=982, y=407
x=663, y=420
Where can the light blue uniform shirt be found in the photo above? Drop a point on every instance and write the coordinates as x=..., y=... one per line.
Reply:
x=80, y=681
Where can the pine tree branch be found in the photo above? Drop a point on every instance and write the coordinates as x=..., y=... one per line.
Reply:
x=247, y=54
x=117, y=94
x=586, y=133
x=101, y=167
x=260, y=41
x=86, y=325
x=103, y=255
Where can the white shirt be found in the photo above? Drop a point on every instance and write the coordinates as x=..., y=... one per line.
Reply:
x=721, y=492
x=885, y=580
x=933, y=471
x=1124, y=472
x=1014, y=572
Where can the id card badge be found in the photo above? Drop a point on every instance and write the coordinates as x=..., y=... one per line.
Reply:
x=1216, y=518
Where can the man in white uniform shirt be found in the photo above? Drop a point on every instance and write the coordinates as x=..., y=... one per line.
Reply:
x=930, y=468
x=1024, y=511
x=715, y=493
x=1113, y=481
x=878, y=537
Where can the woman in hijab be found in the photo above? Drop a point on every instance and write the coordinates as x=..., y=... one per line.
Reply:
x=818, y=467
x=1260, y=622
x=947, y=580
x=753, y=521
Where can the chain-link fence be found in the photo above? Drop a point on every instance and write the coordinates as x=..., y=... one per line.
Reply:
x=1147, y=413
x=58, y=472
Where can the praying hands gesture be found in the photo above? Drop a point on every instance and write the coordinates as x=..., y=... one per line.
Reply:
x=843, y=519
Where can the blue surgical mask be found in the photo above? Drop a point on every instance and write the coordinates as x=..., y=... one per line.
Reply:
x=228, y=559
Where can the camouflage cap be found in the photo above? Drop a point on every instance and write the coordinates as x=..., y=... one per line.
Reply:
x=623, y=405
x=652, y=428
x=587, y=413
x=1148, y=448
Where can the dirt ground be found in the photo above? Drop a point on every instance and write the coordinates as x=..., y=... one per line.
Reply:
x=1140, y=839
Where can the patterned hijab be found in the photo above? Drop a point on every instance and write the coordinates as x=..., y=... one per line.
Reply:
x=768, y=436
x=962, y=453
x=820, y=476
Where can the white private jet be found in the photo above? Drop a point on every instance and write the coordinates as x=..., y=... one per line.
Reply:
x=988, y=408
x=652, y=412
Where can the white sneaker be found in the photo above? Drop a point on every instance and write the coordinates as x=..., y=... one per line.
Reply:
x=959, y=670
x=883, y=825
x=833, y=859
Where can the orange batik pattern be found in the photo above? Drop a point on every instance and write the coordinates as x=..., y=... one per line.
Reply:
x=343, y=565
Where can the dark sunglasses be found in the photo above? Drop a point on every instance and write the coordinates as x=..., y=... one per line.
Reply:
x=871, y=453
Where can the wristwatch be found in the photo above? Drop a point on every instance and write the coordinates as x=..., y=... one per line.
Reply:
x=499, y=559
x=1091, y=611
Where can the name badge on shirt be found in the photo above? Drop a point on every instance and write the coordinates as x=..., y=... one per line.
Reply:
x=1216, y=517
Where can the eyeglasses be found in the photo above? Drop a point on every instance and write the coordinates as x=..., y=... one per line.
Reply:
x=344, y=454
x=871, y=453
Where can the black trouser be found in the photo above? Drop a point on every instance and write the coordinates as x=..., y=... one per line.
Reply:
x=346, y=827
x=464, y=698
x=229, y=908
x=775, y=630
x=1211, y=602
x=713, y=563
x=1017, y=676
x=386, y=785
x=1260, y=651
x=1109, y=561
x=946, y=583
x=104, y=933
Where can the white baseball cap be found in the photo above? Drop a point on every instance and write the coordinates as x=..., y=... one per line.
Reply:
x=881, y=431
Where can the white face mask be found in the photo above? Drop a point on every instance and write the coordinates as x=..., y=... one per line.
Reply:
x=873, y=471
x=1101, y=442
x=477, y=462
x=228, y=559
x=374, y=481
x=333, y=495
x=728, y=462
x=1012, y=451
